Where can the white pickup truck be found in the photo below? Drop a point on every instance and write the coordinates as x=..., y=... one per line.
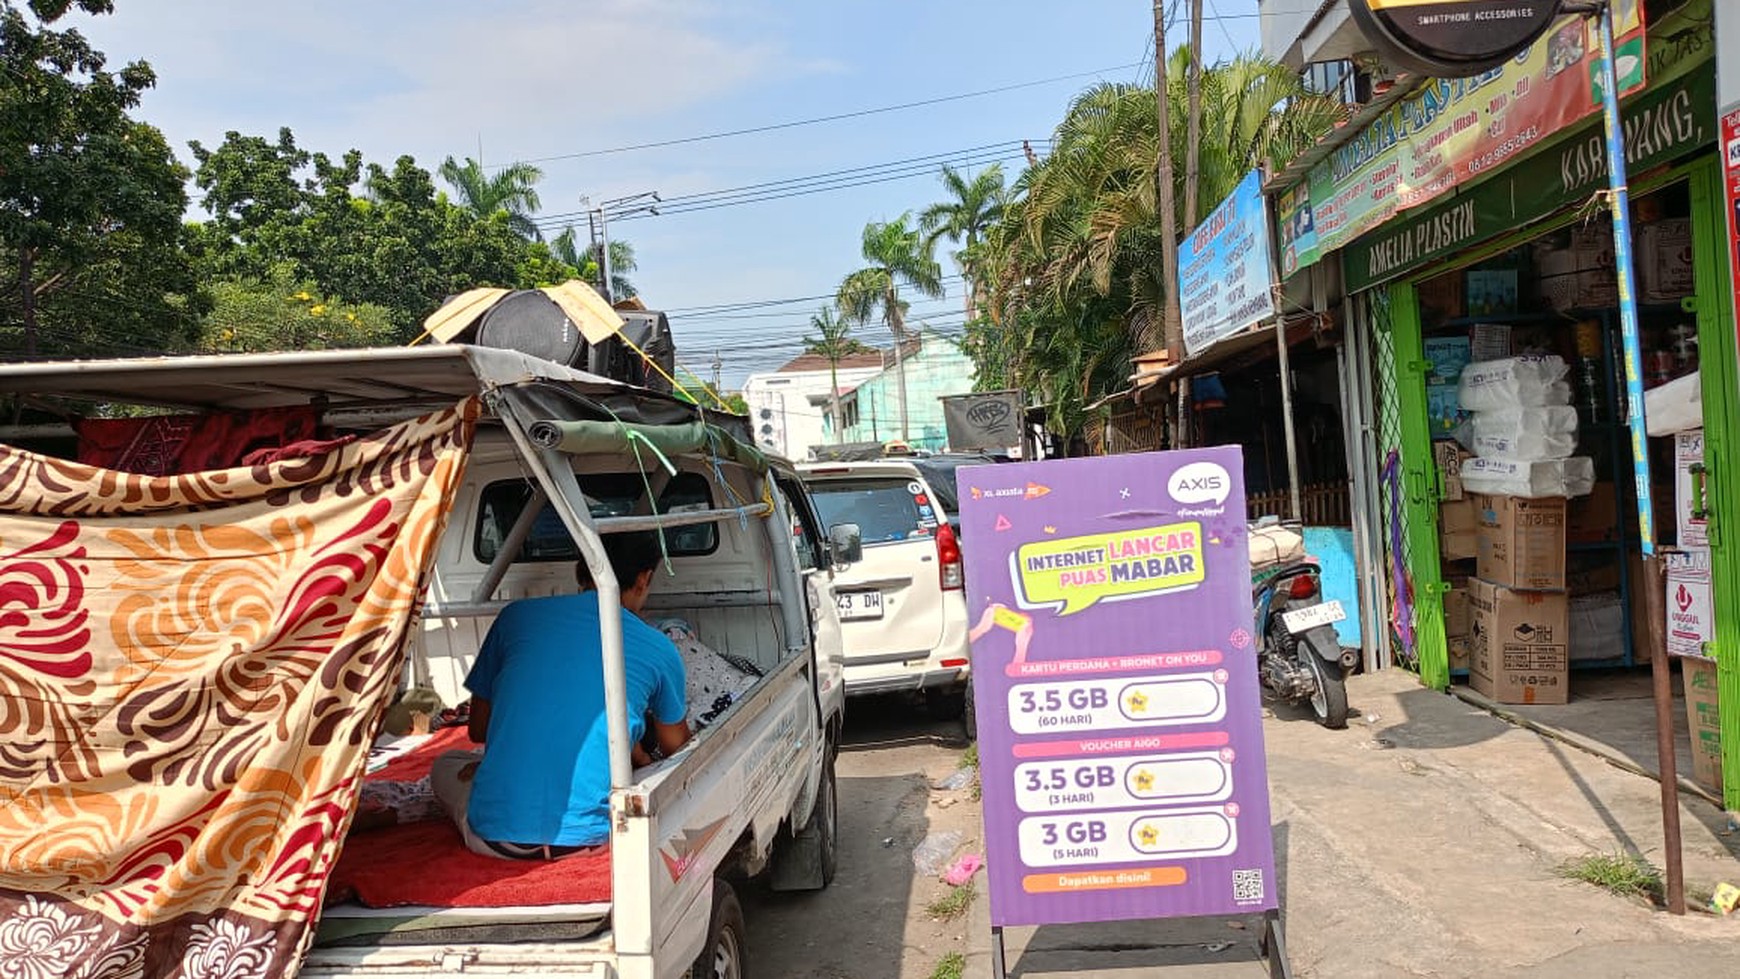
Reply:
x=553, y=468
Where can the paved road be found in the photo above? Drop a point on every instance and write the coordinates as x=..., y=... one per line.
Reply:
x=871, y=923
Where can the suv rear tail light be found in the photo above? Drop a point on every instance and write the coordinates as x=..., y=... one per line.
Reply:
x=948, y=554
x=1303, y=586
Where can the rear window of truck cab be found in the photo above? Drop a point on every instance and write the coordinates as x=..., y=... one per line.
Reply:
x=612, y=495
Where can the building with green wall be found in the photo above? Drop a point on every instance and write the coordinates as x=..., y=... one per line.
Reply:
x=935, y=368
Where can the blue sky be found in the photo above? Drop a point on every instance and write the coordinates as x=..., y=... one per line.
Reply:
x=535, y=79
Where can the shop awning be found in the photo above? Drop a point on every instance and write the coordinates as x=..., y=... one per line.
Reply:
x=1219, y=353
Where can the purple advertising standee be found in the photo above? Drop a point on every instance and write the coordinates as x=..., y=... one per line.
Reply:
x=1120, y=727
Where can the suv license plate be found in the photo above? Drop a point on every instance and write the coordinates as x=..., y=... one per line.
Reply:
x=859, y=604
x=1312, y=616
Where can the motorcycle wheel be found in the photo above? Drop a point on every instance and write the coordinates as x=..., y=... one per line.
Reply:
x=1329, y=700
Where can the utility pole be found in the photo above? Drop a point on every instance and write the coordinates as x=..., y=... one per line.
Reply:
x=1173, y=327
x=604, y=259
x=1193, y=124
x=718, y=364
x=597, y=219
x=897, y=324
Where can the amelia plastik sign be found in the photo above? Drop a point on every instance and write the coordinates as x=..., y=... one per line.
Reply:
x=1120, y=739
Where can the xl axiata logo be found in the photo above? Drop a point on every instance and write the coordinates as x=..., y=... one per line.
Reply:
x=1200, y=482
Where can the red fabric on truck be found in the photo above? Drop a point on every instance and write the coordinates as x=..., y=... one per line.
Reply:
x=427, y=863
x=416, y=763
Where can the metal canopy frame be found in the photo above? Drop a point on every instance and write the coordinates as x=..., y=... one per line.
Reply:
x=376, y=385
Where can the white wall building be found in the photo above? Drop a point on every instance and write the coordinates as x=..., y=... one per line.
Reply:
x=789, y=405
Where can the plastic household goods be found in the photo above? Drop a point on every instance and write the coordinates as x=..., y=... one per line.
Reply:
x=1676, y=406
x=1549, y=477
x=1515, y=382
x=1525, y=434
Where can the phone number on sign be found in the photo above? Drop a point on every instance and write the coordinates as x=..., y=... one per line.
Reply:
x=1505, y=150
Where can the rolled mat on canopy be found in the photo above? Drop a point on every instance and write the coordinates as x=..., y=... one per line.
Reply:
x=192, y=668
x=691, y=438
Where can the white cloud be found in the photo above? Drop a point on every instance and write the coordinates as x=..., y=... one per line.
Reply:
x=532, y=78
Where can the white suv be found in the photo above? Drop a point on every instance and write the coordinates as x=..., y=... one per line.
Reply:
x=903, y=608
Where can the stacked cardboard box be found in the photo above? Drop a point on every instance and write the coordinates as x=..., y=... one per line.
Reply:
x=1520, y=630
x=1698, y=676
x=1523, y=433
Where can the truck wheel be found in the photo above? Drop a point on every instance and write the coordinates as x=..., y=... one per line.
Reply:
x=722, y=957
x=825, y=820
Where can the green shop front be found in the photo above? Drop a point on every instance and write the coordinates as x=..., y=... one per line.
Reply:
x=1516, y=260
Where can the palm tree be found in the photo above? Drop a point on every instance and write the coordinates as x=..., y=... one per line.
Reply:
x=898, y=254
x=1073, y=272
x=1092, y=208
x=566, y=250
x=833, y=339
x=972, y=207
x=512, y=190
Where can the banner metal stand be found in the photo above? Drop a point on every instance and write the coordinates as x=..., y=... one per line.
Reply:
x=1272, y=944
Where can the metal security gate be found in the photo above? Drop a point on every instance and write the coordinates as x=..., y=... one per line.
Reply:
x=1407, y=488
x=1358, y=413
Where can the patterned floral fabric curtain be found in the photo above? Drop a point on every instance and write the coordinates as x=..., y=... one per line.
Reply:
x=191, y=671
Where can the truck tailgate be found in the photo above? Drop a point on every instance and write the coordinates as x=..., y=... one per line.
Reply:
x=568, y=960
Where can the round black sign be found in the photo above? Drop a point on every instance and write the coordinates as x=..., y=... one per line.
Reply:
x=1452, y=38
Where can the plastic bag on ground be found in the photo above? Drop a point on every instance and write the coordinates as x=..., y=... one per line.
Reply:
x=1507, y=477
x=1525, y=434
x=963, y=869
x=1515, y=382
x=960, y=778
x=933, y=852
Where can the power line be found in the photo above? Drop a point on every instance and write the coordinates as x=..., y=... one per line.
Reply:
x=835, y=117
x=922, y=170
x=786, y=313
x=1220, y=22
x=927, y=161
x=759, y=303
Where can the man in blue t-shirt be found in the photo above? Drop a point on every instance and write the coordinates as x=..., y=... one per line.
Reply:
x=540, y=788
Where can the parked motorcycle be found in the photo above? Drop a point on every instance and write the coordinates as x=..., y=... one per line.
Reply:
x=1298, y=654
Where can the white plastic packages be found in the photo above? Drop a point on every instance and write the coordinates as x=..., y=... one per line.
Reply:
x=1677, y=406
x=1515, y=382
x=1510, y=477
x=1525, y=434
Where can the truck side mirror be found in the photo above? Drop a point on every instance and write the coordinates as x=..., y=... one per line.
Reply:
x=845, y=544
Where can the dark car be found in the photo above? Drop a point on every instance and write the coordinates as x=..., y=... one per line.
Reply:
x=939, y=472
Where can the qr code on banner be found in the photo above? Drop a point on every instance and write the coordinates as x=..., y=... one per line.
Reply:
x=1247, y=885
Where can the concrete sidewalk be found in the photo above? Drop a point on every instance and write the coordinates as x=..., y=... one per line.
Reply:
x=1424, y=841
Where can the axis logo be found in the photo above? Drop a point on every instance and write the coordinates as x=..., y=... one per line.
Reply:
x=1200, y=482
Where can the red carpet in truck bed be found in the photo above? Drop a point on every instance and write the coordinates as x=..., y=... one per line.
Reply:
x=427, y=863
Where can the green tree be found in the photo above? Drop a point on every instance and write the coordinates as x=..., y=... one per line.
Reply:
x=972, y=207
x=585, y=262
x=833, y=339
x=90, y=199
x=898, y=254
x=280, y=313
x=512, y=190
x=357, y=232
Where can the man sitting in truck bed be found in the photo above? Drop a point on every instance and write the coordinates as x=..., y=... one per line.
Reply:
x=540, y=787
